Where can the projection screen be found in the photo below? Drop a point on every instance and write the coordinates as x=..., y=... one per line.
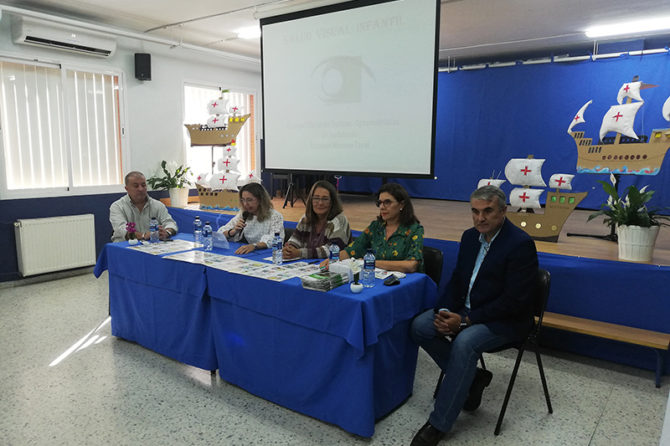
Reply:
x=350, y=89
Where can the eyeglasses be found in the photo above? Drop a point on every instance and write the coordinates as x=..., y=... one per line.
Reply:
x=321, y=199
x=248, y=200
x=386, y=202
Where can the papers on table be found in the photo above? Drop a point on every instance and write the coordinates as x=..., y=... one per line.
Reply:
x=160, y=248
x=239, y=265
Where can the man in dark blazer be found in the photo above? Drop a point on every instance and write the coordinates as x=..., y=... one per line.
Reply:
x=487, y=303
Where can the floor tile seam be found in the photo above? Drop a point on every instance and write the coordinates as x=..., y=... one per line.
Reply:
x=602, y=414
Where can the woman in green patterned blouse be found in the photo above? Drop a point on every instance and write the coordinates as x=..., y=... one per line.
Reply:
x=395, y=236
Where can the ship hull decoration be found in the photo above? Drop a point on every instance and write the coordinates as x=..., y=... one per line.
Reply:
x=203, y=135
x=625, y=153
x=559, y=205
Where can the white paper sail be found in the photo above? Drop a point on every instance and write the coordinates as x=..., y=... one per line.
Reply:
x=525, y=172
x=202, y=179
x=226, y=181
x=247, y=178
x=235, y=110
x=561, y=181
x=579, y=117
x=489, y=182
x=525, y=198
x=230, y=151
x=629, y=90
x=227, y=163
x=217, y=106
x=666, y=109
x=620, y=119
x=217, y=121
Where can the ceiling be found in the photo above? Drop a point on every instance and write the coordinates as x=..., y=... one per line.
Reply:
x=470, y=30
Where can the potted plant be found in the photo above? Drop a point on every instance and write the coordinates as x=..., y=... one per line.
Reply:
x=636, y=225
x=175, y=180
x=130, y=229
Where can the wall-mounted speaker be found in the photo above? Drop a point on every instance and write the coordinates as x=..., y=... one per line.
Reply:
x=143, y=66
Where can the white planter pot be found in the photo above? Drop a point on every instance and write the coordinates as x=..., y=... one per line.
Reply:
x=179, y=197
x=636, y=243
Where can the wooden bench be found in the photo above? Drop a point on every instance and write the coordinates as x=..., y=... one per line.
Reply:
x=660, y=342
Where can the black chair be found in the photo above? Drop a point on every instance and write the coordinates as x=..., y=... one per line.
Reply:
x=432, y=262
x=539, y=305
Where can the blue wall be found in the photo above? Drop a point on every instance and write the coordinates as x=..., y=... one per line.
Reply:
x=11, y=210
x=485, y=117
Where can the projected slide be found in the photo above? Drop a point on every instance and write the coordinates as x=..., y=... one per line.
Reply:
x=351, y=91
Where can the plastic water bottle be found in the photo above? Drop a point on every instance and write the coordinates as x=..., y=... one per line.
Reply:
x=368, y=269
x=334, y=252
x=207, y=240
x=277, y=256
x=197, y=230
x=153, y=230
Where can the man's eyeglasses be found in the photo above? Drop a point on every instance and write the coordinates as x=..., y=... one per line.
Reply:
x=386, y=203
x=321, y=199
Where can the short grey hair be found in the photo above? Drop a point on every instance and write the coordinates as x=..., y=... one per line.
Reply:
x=490, y=193
x=134, y=173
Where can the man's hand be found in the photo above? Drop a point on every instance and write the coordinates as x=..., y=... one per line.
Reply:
x=447, y=323
x=244, y=249
x=163, y=234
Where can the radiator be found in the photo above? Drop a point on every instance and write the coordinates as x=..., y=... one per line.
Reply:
x=53, y=244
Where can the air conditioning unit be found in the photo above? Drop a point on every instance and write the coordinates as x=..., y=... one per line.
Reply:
x=42, y=33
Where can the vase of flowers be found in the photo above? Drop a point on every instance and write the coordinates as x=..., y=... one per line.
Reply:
x=130, y=229
x=636, y=225
x=174, y=179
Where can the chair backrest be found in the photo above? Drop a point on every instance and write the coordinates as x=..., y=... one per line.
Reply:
x=541, y=297
x=432, y=262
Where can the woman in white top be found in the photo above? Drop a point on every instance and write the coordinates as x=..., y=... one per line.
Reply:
x=256, y=223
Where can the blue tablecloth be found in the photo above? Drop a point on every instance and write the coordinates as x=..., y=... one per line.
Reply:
x=160, y=304
x=340, y=357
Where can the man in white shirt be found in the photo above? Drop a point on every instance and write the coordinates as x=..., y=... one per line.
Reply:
x=139, y=208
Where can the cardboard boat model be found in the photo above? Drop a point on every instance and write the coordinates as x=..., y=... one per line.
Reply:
x=203, y=135
x=625, y=153
x=559, y=203
x=219, y=189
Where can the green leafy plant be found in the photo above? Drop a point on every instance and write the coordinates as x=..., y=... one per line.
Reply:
x=630, y=210
x=174, y=177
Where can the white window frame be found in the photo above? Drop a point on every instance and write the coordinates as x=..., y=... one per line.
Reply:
x=66, y=104
x=253, y=135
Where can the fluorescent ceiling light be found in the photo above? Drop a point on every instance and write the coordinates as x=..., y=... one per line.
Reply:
x=634, y=27
x=250, y=32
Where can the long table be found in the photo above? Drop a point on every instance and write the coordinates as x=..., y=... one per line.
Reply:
x=340, y=357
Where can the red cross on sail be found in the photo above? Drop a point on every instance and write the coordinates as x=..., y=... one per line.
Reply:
x=579, y=117
x=620, y=119
x=561, y=181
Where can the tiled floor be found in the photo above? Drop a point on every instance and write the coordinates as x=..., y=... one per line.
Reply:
x=109, y=391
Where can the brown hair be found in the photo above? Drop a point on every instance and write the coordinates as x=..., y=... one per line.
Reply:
x=335, y=203
x=264, y=202
x=407, y=217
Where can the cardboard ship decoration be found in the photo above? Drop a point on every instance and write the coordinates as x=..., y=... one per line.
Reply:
x=626, y=152
x=222, y=126
x=219, y=189
x=527, y=173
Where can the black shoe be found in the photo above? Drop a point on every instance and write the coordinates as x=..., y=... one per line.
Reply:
x=427, y=436
x=481, y=381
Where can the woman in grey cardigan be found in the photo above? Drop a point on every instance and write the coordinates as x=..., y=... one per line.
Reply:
x=322, y=225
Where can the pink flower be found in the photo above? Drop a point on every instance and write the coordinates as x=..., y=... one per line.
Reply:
x=130, y=227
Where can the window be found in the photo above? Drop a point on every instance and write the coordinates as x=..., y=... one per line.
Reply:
x=200, y=158
x=61, y=129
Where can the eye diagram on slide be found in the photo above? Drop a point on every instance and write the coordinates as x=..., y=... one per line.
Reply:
x=339, y=79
